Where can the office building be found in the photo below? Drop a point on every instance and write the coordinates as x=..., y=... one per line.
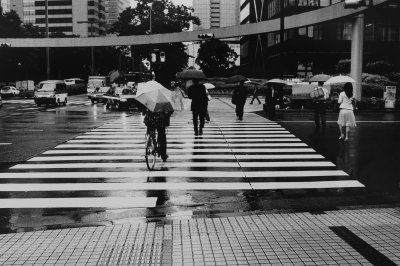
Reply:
x=82, y=18
x=114, y=8
x=317, y=48
x=215, y=14
x=5, y=5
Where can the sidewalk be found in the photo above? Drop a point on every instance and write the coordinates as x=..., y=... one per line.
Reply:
x=343, y=237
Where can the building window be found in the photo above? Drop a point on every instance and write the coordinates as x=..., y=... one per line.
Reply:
x=347, y=30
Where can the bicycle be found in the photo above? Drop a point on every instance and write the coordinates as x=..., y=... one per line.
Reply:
x=152, y=148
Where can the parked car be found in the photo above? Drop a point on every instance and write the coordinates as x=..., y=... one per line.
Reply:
x=51, y=92
x=9, y=91
x=1, y=102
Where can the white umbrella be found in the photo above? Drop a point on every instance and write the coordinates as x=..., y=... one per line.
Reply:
x=339, y=79
x=337, y=82
x=209, y=86
x=154, y=96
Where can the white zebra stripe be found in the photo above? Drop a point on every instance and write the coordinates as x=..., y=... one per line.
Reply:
x=175, y=165
x=181, y=157
x=185, y=151
x=125, y=186
x=137, y=176
x=178, y=186
x=176, y=136
x=203, y=140
x=87, y=202
x=184, y=145
x=305, y=185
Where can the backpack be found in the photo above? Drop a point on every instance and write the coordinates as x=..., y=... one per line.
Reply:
x=317, y=93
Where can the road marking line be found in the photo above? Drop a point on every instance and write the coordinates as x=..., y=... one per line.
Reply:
x=305, y=185
x=129, y=157
x=87, y=202
x=186, y=150
x=175, y=165
x=139, y=176
x=29, y=187
x=299, y=144
x=5, y=143
x=191, y=140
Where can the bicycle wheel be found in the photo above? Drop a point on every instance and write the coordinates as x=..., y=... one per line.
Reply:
x=151, y=154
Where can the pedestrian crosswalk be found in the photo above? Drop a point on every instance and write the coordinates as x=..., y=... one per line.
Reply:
x=105, y=167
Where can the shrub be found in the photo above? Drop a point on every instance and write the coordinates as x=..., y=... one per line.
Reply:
x=378, y=67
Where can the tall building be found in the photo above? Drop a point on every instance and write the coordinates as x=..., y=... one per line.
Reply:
x=317, y=48
x=5, y=5
x=69, y=17
x=215, y=14
x=114, y=8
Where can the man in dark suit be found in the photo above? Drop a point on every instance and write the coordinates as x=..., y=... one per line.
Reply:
x=197, y=92
x=270, y=101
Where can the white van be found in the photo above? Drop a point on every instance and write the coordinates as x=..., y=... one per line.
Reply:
x=51, y=92
x=96, y=82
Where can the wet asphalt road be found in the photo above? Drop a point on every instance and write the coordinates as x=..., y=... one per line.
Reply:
x=371, y=157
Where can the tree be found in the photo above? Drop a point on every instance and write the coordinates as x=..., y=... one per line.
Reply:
x=165, y=18
x=215, y=57
x=343, y=66
x=10, y=25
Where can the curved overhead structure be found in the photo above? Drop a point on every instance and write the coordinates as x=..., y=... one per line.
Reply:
x=300, y=20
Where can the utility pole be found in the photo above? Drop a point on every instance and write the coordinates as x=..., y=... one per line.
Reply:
x=281, y=36
x=47, y=36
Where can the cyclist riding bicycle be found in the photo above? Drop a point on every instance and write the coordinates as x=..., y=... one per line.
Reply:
x=158, y=121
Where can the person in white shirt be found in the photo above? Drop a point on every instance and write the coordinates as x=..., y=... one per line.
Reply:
x=346, y=114
x=320, y=107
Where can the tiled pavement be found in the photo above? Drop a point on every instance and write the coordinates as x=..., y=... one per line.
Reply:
x=341, y=237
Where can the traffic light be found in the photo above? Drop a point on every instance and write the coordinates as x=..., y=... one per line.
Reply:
x=354, y=3
x=162, y=57
x=153, y=57
x=5, y=44
x=206, y=36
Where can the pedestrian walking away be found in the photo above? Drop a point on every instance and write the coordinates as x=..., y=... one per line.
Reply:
x=346, y=118
x=320, y=106
x=177, y=96
x=239, y=97
x=159, y=121
x=270, y=101
x=255, y=95
x=197, y=93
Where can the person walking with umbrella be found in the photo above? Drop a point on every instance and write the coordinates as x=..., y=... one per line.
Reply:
x=197, y=92
x=239, y=97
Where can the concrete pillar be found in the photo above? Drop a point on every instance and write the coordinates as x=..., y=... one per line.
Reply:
x=357, y=42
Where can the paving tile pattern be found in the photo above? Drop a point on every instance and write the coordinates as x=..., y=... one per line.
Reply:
x=254, y=239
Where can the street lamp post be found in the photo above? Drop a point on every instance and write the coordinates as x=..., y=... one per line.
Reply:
x=47, y=36
x=150, y=11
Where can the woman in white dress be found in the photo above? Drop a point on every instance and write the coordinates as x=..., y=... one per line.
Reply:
x=346, y=114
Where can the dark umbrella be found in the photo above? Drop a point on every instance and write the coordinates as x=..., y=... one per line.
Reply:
x=191, y=74
x=236, y=78
x=319, y=78
x=274, y=81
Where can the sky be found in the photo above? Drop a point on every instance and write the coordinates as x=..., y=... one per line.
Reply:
x=178, y=2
